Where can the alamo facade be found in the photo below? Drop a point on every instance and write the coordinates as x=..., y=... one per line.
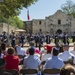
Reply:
x=51, y=24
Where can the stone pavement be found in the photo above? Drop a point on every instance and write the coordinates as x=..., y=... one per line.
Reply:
x=52, y=44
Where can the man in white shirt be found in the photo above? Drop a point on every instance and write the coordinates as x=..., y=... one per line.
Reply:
x=66, y=55
x=20, y=50
x=54, y=61
x=48, y=54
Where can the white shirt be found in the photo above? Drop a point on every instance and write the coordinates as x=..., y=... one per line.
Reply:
x=73, y=52
x=1, y=56
x=32, y=62
x=66, y=55
x=20, y=51
x=54, y=62
x=46, y=56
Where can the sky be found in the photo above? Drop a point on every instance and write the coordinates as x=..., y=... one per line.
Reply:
x=42, y=9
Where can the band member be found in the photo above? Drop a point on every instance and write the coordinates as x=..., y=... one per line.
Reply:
x=65, y=38
x=48, y=38
x=21, y=39
x=56, y=39
x=13, y=39
x=4, y=37
x=73, y=37
x=36, y=39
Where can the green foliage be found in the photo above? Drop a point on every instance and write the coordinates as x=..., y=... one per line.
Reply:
x=12, y=7
x=9, y=9
x=15, y=21
x=69, y=8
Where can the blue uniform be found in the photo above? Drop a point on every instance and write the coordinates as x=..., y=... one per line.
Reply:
x=54, y=62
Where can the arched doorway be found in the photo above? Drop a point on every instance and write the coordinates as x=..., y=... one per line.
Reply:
x=59, y=31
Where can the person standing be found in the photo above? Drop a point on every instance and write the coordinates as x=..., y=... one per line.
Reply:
x=56, y=38
x=4, y=37
x=21, y=39
x=48, y=38
x=13, y=39
x=73, y=37
x=36, y=38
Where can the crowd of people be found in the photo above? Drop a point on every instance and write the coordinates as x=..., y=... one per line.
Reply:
x=33, y=58
x=59, y=57
x=38, y=38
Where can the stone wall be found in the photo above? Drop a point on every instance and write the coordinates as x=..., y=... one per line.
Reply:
x=28, y=26
x=4, y=27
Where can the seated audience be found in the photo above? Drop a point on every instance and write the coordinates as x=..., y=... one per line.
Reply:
x=47, y=54
x=12, y=61
x=2, y=64
x=31, y=61
x=20, y=50
x=3, y=47
x=54, y=61
x=73, y=51
x=37, y=51
x=66, y=55
x=67, y=70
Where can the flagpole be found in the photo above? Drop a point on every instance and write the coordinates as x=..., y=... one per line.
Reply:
x=28, y=19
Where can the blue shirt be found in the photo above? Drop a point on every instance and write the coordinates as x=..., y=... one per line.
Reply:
x=32, y=62
x=54, y=62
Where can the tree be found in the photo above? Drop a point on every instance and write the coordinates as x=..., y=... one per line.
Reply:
x=12, y=7
x=69, y=8
x=9, y=9
x=15, y=21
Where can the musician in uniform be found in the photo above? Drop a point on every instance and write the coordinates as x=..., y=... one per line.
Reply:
x=13, y=39
x=48, y=38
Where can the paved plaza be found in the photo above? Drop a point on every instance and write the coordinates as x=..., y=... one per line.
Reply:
x=52, y=44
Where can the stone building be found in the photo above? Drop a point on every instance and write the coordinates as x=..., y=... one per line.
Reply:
x=51, y=24
x=4, y=27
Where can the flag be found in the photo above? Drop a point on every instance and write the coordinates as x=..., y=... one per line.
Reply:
x=28, y=17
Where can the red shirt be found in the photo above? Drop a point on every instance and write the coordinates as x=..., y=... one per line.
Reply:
x=12, y=62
